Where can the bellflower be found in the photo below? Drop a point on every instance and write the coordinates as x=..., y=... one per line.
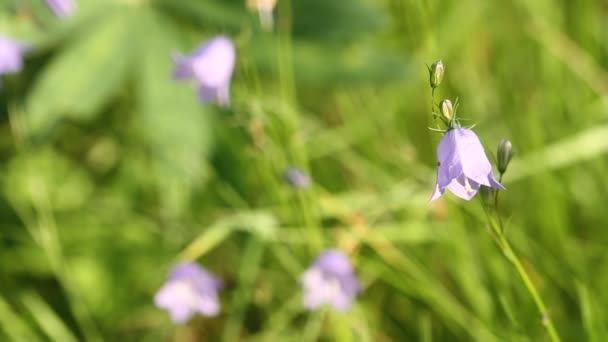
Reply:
x=297, y=178
x=189, y=289
x=330, y=280
x=11, y=55
x=62, y=8
x=211, y=66
x=462, y=165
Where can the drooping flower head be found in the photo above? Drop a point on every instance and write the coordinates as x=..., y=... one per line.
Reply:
x=62, y=8
x=211, y=66
x=189, y=289
x=297, y=178
x=330, y=280
x=462, y=165
x=11, y=55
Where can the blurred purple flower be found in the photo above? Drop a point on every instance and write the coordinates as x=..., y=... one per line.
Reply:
x=296, y=177
x=211, y=66
x=462, y=165
x=62, y=8
x=189, y=289
x=330, y=280
x=11, y=55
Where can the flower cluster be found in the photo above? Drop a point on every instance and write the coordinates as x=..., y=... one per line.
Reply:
x=190, y=289
x=462, y=164
x=462, y=168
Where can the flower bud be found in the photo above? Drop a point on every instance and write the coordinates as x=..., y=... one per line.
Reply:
x=503, y=155
x=447, y=110
x=436, y=74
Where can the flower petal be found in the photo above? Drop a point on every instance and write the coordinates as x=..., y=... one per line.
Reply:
x=493, y=182
x=213, y=62
x=463, y=187
x=335, y=262
x=183, y=68
x=176, y=297
x=473, y=160
x=437, y=192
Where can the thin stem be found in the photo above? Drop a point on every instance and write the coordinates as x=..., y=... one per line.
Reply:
x=513, y=258
x=432, y=107
x=496, y=192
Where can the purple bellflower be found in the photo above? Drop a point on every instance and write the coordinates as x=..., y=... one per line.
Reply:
x=330, y=280
x=462, y=165
x=62, y=8
x=211, y=66
x=189, y=289
x=297, y=178
x=11, y=55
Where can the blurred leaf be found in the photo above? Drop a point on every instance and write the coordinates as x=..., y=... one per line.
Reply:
x=205, y=13
x=262, y=224
x=568, y=151
x=83, y=77
x=47, y=173
x=591, y=315
x=338, y=21
x=174, y=124
x=48, y=320
x=207, y=240
x=14, y=326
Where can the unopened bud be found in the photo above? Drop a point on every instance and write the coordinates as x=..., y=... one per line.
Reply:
x=447, y=110
x=436, y=74
x=503, y=155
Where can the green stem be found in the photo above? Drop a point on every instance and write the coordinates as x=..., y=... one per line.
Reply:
x=513, y=258
x=433, y=107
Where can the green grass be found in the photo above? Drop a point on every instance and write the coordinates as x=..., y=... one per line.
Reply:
x=111, y=172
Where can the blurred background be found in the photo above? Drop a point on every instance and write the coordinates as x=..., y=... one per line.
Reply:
x=111, y=171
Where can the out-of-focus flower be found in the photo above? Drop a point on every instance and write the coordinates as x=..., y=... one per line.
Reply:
x=330, y=280
x=436, y=71
x=189, y=289
x=503, y=155
x=62, y=8
x=11, y=55
x=211, y=66
x=462, y=165
x=264, y=8
x=296, y=177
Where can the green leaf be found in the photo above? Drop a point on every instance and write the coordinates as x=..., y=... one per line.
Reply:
x=174, y=124
x=14, y=325
x=83, y=77
x=42, y=172
x=48, y=320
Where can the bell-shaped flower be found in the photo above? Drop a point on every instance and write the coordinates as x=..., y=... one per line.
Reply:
x=11, y=55
x=62, y=8
x=211, y=66
x=330, y=280
x=189, y=289
x=462, y=165
x=297, y=178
